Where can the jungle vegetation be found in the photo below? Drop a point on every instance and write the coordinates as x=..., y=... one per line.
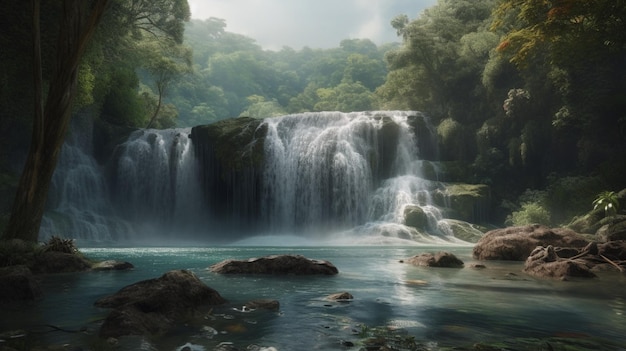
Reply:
x=528, y=97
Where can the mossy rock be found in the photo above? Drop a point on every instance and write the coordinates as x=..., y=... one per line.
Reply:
x=468, y=202
x=414, y=216
x=235, y=143
x=465, y=231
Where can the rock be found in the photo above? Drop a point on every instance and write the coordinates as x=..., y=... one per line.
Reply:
x=415, y=217
x=463, y=230
x=231, y=153
x=59, y=262
x=477, y=266
x=440, y=259
x=468, y=202
x=543, y=262
x=516, y=243
x=263, y=304
x=613, y=250
x=613, y=229
x=18, y=283
x=111, y=265
x=342, y=296
x=275, y=264
x=154, y=306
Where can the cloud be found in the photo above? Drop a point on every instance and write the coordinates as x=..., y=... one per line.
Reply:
x=313, y=23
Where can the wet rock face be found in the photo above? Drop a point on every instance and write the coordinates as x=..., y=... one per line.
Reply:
x=154, y=306
x=516, y=243
x=276, y=264
x=439, y=259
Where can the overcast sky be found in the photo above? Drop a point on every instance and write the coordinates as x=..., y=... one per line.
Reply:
x=312, y=23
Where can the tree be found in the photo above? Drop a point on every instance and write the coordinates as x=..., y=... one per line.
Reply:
x=78, y=23
x=165, y=63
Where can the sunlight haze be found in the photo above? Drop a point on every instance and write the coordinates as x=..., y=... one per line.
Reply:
x=313, y=23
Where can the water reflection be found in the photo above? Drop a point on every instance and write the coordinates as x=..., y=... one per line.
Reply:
x=433, y=304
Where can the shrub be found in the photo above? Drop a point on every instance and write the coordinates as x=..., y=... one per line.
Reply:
x=57, y=244
x=530, y=213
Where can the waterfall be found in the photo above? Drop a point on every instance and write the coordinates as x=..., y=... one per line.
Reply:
x=78, y=203
x=149, y=191
x=365, y=175
x=156, y=183
x=337, y=171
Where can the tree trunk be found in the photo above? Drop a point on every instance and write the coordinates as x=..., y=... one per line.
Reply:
x=49, y=130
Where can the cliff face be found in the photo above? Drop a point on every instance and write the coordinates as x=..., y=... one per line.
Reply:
x=230, y=153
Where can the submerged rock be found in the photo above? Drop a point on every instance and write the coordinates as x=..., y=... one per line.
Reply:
x=342, y=296
x=154, y=306
x=263, y=304
x=516, y=243
x=439, y=259
x=276, y=264
x=112, y=265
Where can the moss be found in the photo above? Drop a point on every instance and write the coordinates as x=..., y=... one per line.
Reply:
x=468, y=202
x=466, y=231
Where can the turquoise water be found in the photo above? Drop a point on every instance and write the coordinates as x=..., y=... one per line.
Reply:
x=444, y=307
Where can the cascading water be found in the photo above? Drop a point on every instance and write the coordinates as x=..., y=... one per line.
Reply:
x=78, y=203
x=351, y=175
x=156, y=184
x=337, y=171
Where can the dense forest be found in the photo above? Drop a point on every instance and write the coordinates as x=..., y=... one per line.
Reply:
x=527, y=97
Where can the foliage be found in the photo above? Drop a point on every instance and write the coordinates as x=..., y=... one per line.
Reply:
x=608, y=201
x=57, y=244
x=529, y=213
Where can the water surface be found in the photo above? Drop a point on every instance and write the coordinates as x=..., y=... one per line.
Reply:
x=443, y=306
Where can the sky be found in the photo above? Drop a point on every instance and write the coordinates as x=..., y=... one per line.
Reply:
x=313, y=23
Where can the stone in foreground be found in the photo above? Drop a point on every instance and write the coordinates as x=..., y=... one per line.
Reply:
x=276, y=264
x=439, y=259
x=544, y=262
x=155, y=306
x=516, y=243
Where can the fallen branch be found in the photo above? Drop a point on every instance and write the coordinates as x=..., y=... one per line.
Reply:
x=613, y=263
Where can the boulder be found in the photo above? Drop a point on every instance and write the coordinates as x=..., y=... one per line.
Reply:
x=231, y=154
x=543, y=262
x=112, y=265
x=263, y=304
x=414, y=216
x=342, y=296
x=155, y=306
x=613, y=250
x=516, y=243
x=17, y=283
x=439, y=259
x=467, y=202
x=464, y=230
x=60, y=262
x=613, y=228
x=275, y=264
